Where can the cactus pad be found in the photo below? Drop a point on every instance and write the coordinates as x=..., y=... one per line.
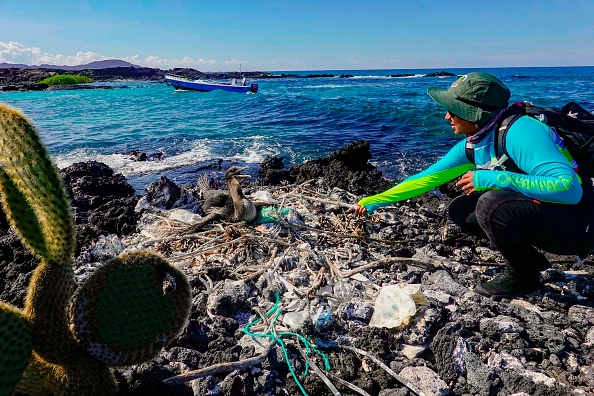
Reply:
x=82, y=376
x=15, y=347
x=130, y=308
x=34, y=197
x=50, y=291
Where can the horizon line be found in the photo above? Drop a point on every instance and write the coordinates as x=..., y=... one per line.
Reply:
x=48, y=66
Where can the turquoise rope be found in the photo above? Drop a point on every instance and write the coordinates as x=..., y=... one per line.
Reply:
x=308, y=345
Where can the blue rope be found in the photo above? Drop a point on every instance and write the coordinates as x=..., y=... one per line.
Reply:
x=276, y=311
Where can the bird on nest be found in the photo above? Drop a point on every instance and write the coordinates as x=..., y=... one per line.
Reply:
x=231, y=204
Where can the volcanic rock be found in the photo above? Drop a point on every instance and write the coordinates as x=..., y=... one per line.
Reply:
x=347, y=169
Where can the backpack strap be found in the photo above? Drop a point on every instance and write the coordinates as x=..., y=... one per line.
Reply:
x=469, y=149
x=588, y=201
x=504, y=161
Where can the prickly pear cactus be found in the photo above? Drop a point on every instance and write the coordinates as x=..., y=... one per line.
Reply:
x=15, y=347
x=33, y=195
x=123, y=314
x=36, y=204
x=130, y=308
x=81, y=376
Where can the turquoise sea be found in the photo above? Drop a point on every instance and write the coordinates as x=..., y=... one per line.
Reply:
x=295, y=118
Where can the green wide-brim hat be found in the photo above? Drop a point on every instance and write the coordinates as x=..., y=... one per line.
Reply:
x=476, y=97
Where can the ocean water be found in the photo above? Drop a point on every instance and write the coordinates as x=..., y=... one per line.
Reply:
x=295, y=118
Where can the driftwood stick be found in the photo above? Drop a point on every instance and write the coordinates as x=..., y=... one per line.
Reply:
x=287, y=250
x=321, y=195
x=377, y=361
x=570, y=261
x=333, y=268
x=197, y=252
x=318, y=282
x=174, y=238
x=267, y=267
x=265, y=320
x=289, y=186
x=319, y=372
x=280, y=208
x=281, y=242
x=305, y=183
x=346, y=383
x=326, y=201
x=387, y=261
x=254, y=275
x=219, y=368
x=482, y=263
x=337, y=234
x=259, y=328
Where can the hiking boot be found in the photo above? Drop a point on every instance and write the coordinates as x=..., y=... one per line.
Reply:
x=543, y=264
x=508, y=284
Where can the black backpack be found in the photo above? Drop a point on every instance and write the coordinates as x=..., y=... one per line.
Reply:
x=573, y=124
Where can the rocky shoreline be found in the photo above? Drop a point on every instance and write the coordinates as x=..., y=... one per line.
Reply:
x=327, y=269
x=27, y=79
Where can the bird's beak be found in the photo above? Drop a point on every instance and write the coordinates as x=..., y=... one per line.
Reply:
x=241, y=177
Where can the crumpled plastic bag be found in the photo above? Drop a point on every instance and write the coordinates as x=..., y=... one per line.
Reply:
x=263, y=196
x=396, y=304
x=322, y=318
x=271, y=214
x=185, y=216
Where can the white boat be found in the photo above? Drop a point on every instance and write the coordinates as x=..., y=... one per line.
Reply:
x=204, y=86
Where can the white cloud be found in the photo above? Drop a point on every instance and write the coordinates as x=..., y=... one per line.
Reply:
x=14, y=52
x=235, y=62
x=78, y=59
x=155, y=61
x=353, y=62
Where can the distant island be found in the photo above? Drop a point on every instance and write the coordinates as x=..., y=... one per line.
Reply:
x=21, y=77
x=102, y=64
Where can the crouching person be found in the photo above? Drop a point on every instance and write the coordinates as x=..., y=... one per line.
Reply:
x=537, y=203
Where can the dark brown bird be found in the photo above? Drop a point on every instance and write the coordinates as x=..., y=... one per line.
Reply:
x=230, y=205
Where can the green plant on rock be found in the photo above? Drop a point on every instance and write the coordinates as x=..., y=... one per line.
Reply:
x=66, y=79
x=67, y=337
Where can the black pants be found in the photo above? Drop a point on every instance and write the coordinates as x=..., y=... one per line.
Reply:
x=516, y=224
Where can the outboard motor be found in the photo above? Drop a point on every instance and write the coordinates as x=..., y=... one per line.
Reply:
x=254, y=88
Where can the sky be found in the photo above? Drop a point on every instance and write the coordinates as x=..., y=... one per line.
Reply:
x=275, y=35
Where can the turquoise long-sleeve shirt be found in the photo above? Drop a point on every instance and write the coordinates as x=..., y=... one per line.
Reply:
x=550, y=172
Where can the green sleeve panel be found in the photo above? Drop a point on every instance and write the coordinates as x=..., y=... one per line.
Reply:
x=452, y=165
x=549, y=177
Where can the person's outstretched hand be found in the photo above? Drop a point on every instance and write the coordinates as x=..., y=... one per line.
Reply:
x=360, y=210
x=467, y=183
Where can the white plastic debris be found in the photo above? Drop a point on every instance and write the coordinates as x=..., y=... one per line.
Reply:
x=295, y=320
x=396, y=304
x=185, y=216
x=263, y=196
